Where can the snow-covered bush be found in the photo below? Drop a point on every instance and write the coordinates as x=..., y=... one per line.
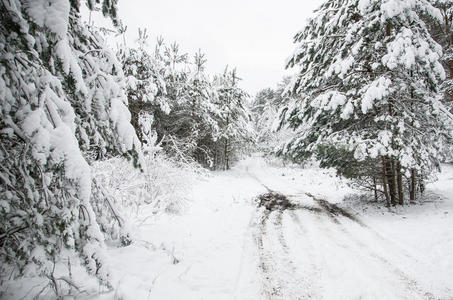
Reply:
x=161, y=187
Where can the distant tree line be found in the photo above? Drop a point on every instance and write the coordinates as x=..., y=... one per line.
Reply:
x=193, y=115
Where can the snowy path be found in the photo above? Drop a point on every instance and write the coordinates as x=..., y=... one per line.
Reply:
x=224, y=247
x=312, y=254
x=321, y=251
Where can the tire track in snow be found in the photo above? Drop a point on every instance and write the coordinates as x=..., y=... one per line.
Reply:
x=297, y=285
x=336, y=210
x=272, y=282
x=285, y=268
x=280, y=277
x=334, y=213
x=271, y=286
x=311, y=265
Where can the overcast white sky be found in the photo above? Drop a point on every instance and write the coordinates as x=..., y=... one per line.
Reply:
x=255, y=36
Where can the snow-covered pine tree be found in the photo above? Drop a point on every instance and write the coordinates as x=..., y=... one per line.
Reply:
x=442, y=33
x=161, y=93
x=201, y=96
x=175, y=94
x=368, y=82
x=235, y=126
x=264, y=112
x=62, y=98
x=265, y=109
x=146, y=84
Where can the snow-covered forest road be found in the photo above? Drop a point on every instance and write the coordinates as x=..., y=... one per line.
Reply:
x=322, y=252
x=224, y=245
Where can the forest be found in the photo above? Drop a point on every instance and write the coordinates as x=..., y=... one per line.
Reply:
x=109, y=154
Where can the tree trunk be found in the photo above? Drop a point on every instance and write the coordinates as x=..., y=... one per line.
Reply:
x=225, y=153
x=227, y=163
x=390, y=172
x=384, y=181
x=389, y=163
x=399, y=179
x=375, y=189
x=422, y=185
x=193, y=111
x=412, y=185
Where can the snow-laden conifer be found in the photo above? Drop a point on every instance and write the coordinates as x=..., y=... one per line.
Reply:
x=62, y=105
x=368, y=84
x=235, y=128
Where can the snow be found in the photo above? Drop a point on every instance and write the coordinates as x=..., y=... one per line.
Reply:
x=377, y=90
x=393, y=8
x=422, y=232
x=53, y=14
x=120, y=116
x=329, y=101
x=342, y=66
x=222, y=246
x=348, y=110
x=214, y=244
x=364, y=5
x=198, y=254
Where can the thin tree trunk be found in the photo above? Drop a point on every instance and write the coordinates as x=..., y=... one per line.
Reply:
x=227, y=165
x=389, y=162
x=390, y=172
x=384, y=181
x=412, y=185
x=450, y=68
x=399, y=180
x=375, y=189
x=225, y=153
x=422, y=185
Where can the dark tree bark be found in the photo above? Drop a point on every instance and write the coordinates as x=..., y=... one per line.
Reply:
x=384, y=181
x=422, y=186
x=399, y=179
x=412, y=185
x=390, y=174
x=225, y=153
x=375, y=189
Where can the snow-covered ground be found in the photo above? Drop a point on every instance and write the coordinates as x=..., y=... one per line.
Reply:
x=327, y=245
x=206, y=252
x=224, y=247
